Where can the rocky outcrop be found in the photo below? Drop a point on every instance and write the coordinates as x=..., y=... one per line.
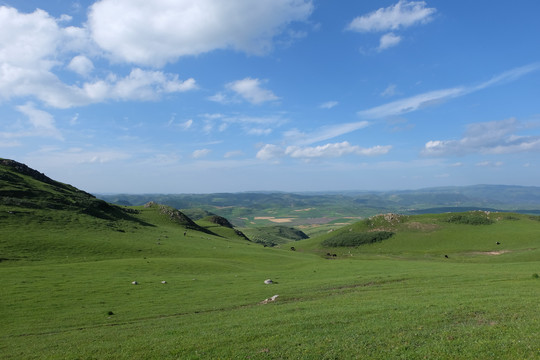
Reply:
x=216, y=219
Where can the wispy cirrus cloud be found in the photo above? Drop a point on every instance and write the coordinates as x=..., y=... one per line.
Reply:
x=413, y=103
x=328, y=104
x=233, y=154
x=64, y=158
x=389, y=91
x=489, y=164
x=200, y=153
x=324, y=133
x=42, y=122
x=251, y=125
x=430, y=98
x=39, y=123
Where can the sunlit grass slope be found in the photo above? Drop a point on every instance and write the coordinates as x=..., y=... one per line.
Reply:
x=507, y=237
x=72, y=297
x=66, y=278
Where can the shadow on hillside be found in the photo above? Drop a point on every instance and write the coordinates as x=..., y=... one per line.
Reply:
x=102, y=210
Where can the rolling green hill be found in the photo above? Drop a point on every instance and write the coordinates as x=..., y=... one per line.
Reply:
x=148, y=282
x=458, y=237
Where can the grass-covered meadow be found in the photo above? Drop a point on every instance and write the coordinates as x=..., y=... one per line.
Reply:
x=82, y=279
x=67, y=291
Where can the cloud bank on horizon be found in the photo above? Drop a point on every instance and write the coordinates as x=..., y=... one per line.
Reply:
x=293, y=95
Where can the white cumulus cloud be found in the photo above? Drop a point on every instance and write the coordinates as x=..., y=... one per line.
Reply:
x=160, y=31
x=389, y=40
x=81, y=65
x=34, y=45
x=270, y=152
x=401, y=15
x=330, y=150
x=334, y=150
x=251, y=90
x=147, y=85
x=393, y=18
x=493, y=137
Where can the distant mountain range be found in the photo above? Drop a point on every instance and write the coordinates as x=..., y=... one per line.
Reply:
x=23, y=186
x=236, y=206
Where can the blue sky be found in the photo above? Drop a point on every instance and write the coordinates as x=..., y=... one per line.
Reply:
x=202, y=96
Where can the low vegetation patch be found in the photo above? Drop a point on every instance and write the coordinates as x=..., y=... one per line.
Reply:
x=357, y=239
x=471, y=218
x=385, y=220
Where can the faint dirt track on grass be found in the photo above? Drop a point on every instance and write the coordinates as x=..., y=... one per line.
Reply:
x=422, y=227
x=491, y=253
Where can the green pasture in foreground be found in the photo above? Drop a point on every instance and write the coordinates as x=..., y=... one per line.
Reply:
x=67, y=292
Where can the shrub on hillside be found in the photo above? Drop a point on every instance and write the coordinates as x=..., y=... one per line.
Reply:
x=472, y=218
x=385, y=221
x=357, y=239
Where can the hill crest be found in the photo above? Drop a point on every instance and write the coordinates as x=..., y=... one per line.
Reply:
x=27, y=188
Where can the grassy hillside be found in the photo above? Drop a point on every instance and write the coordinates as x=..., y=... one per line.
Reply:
x=66, y=278
x=500, y=237
x=275, y=235
x=24, y=188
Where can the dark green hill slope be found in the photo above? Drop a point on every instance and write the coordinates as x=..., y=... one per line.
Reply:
x=24, y=188
x=274, y=235
x=196, y=213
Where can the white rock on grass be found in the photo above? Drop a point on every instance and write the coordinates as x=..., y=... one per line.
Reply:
x=270, y=299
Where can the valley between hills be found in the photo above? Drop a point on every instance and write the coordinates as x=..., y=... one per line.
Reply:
x=439, y=273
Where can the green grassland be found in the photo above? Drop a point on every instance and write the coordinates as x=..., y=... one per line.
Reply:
x=66, y=286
